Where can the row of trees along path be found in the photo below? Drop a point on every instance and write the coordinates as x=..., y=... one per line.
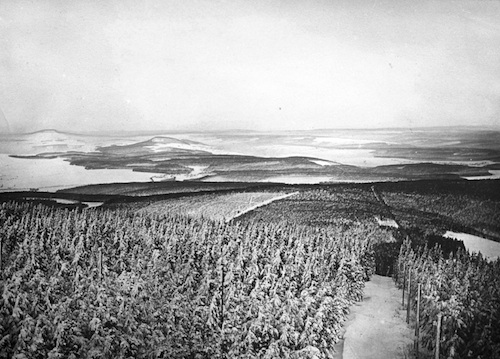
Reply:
x=377, y=325
x=446, y=309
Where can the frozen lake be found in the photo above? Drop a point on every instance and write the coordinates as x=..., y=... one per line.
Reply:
x=20, y=174
x=488, y=248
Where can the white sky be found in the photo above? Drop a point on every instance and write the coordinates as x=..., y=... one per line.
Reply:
x=263, y=65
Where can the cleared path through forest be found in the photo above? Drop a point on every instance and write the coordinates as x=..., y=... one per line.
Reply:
x=260, y=205
x=377, y=326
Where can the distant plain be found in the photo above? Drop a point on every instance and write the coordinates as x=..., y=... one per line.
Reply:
x=53, y=160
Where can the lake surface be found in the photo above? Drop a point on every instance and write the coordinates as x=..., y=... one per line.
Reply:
x=18, y=174
x=488, y=248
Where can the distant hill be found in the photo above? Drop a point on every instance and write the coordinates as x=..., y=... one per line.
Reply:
x=158, y=144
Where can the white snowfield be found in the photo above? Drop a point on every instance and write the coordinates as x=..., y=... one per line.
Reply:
x=324, y=163
x=166, y=146
x=495, y=174
x=261, y=204
x=386, y=222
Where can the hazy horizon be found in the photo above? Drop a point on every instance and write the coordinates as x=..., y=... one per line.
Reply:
x=263, y=65
x=247, y=130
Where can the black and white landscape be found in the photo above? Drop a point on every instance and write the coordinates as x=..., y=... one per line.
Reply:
x=320, y=156
x=249, y=179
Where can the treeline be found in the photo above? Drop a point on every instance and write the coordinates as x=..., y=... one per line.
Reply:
x=326, y=205
x=459, y=301
x=464, y=206
x=122, y=284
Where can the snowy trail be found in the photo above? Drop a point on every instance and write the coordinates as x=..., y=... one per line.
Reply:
x=261, y=204
x=377, y=328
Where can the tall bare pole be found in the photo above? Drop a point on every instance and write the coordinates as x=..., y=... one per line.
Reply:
x=417, y=324
x=409, y=293
x=404, y=285
x=438, y=335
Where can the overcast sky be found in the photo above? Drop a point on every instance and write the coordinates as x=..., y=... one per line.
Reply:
x=264, y=65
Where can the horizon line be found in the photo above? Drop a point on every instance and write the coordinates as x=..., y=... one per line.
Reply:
x=177, y=131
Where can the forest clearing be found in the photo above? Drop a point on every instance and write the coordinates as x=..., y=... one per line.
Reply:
x=223, y=207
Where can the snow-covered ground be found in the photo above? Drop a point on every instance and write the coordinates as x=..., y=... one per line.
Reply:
x=386, y=222
x=278, y=179
x=495, y=174
x=163, y=144
x=261, y=204
x=298, y=179
x=488, y=248
x=196, y=173
x=54, y=141
x=320, y=147
x=66, y=201
x=337, y=141
x=377, y=328
x=323, y=163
